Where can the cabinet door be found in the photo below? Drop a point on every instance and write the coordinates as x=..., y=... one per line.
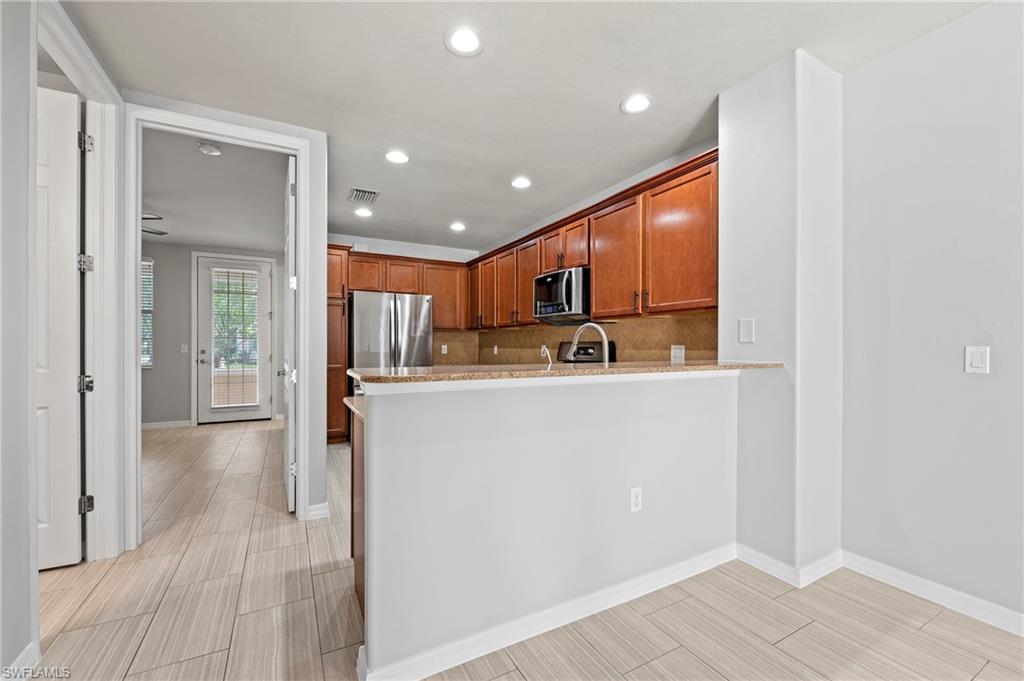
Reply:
x=488, y=293
x=615, y=260
x=365, y=273
x=444, y=283
x=576, y=244
x=337, y=379
x=505, y=285
x=681, y=243
x=337, y=271
x=527, y=267
x=402, y=276
x=473, y=321
x=551, y=251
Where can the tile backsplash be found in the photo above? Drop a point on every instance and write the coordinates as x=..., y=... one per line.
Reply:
x=463, y=347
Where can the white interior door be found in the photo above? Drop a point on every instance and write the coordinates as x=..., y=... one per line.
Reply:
x=289, y=338
x=234, y=340
x=57, y=355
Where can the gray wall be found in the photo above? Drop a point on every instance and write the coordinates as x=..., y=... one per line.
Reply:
x=17, y=359
x=165, y=387
x=932, y=457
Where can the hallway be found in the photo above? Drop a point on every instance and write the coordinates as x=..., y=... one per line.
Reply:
x=226, y=584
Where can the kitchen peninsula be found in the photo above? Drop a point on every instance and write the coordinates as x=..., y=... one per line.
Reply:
x=498, y=498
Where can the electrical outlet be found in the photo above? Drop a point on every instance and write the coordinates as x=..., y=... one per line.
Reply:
x=636, y=499
x=976, y=359
x=678, y=354
x=184, y=349
x=745, y=331
x=495, y=349
x=444, y=348
x=543, y=351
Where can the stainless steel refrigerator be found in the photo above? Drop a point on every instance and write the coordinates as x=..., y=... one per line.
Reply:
x=390, y=330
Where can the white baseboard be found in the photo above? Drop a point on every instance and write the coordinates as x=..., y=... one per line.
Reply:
x=278, y=417
x=28, y=659
x=469, y=648
x=317, y=511
x=153, y=425
x=798, y=577
x=361, y=663
x=820, y=568
x=986, y=611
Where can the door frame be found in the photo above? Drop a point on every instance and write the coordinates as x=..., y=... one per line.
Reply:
x=193, y=379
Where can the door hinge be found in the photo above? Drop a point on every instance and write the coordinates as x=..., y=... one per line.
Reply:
x=85, y=384
x=293, y=283
x=86, y=503
x=291, y=188
x=293, y=469
x=295, y=375
x=86, y=142
x=86, y=263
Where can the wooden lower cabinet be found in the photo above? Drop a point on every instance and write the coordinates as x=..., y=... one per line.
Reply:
x=527, y=267
x=505, y=288
x=681, y=243
x=615, y=262
x=447, y=285
x=337, y=343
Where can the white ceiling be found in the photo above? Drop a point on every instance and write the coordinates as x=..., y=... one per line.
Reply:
x=542, y=99
x=233, y=200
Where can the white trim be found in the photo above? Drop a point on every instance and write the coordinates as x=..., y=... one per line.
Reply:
x=455, y=653
x=317, y=511
x=819, y=568
x=986, y=611
x=157, y=425
x=765, y=563
x=194, y=320
x=28, y=658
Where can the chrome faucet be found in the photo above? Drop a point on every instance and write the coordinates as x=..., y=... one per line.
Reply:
x=604, y=341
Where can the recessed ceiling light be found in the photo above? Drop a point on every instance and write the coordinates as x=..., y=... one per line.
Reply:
x=521, y=182
x=458, y=227
x=397, y=156
x=209, y=148
x=363, y=212
x=464, y=41
x=635, y=103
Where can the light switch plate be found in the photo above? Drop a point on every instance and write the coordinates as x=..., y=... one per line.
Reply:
x=745, y=331
x=678, y=355
x=976, y=359
x=444, y=348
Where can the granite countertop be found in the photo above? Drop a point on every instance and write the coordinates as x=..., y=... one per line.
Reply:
x=483, y=372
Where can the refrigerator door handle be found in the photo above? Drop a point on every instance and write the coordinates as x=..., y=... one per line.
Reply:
x=394, y=330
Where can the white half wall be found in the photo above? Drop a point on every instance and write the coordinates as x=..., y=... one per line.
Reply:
x=933, y=458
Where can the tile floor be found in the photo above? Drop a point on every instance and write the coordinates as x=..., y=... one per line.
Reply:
x=226, y=584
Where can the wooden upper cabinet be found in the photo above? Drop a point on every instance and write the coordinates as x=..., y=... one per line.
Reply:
x=365, y=272
x=402, y=276
x=681, y=243
x=527, y=267
x=473, y=311
x=615, y=263
x=576, y=244
x=337, y=272
x=505, y=287
x=488, y=293
x=446, y=283
x=551, y=251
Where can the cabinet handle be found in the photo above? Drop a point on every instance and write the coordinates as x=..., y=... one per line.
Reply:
x=636, y=301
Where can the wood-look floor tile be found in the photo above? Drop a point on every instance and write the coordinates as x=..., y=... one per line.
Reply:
x=272, y=500
x=86, y=573
x=128, y=589
x=244, y=467
x=199, y=477
x=985, y=640
x=325, y=549
x=840, y=659
x=56, y=608
x=274, y=531
x=227, y=516
x=514, y=675
x=662, y=598
x=725, y=646
x=272, y=476
x=276, y=644
x=896, y=603
x=237, y=487
x=994, y=672
x=163, y=537
x=211, y=556
x=486, y=668
x=921, y=651
x=340, y=665
x=750, y=576
x=183, y=502
x=624, y=637
x=193, y=620
x=206, y=668
x=558, y=655
x=101, y=652
x=338, y=615
x=748, y=608
x=275, y=577
x=674, y=666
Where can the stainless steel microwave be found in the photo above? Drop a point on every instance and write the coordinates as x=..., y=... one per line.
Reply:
x=562, y=298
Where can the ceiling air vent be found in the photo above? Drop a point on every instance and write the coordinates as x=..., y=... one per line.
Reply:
x=364, y=197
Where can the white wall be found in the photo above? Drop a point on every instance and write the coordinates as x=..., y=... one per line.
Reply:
x=405, y=248
x=780, y=231
x=932, y=457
